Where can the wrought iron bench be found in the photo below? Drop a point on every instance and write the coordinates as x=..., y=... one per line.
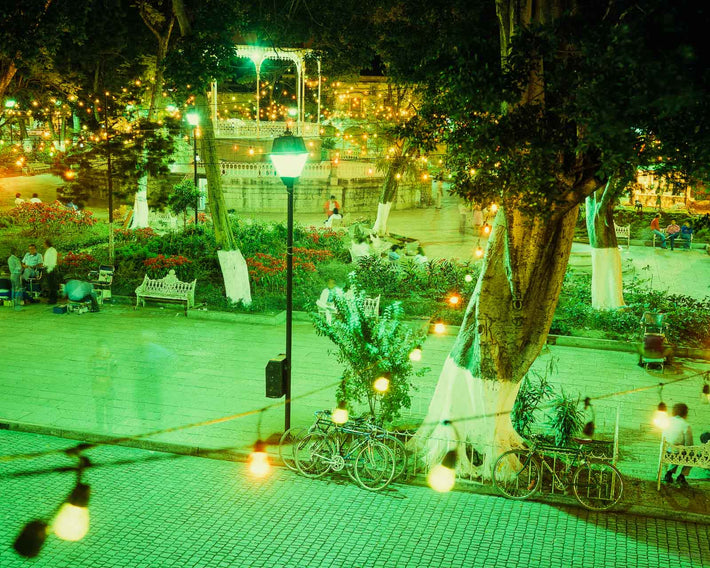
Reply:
x=623, y=232
x=692, y=456
x=167, y=289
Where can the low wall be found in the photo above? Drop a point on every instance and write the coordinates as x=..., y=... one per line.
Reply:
x=356, y=196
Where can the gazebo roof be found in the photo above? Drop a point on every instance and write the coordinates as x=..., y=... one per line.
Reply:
x=259, y=53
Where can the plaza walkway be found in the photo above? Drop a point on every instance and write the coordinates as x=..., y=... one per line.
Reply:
x=165, y=370
x=151, y=510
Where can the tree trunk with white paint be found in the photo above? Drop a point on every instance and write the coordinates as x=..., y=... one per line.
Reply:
x=234, y=268
x=504, y=329
x=607, y=283
x=396, y=168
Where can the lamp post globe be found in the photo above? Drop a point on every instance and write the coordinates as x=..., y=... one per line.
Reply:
x=289, y=155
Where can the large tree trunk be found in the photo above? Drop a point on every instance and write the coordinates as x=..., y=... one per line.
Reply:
x=395, y=171
x=607, y=285
x=234, y=268
x=504, y=330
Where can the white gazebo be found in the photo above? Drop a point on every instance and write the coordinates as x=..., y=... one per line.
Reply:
x=258, y=55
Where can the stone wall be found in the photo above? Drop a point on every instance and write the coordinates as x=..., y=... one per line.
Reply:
x=358, y=196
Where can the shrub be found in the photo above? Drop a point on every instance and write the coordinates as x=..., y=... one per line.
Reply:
x=158, y=266
x=77, y=264
x=50, y=219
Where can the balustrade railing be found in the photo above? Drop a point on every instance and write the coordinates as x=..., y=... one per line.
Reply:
x=236, y=128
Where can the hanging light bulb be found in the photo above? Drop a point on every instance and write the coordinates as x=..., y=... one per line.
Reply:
x=454, y=300
x=479, y=252
x=340, y=414
x=660, y=418
x=72, y=520
x=439, y=328
x=442, y=477
x=258, y=462
x=468, y=278
x=486, y=229
x=381, y=384
x=415, y=354
x=493, y=207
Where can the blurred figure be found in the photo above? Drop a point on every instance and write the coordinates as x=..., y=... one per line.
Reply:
x=35, y=198
x=79, y=291
x=326, y=301
x=156, y=361
x=103, y=366
x=18, y=199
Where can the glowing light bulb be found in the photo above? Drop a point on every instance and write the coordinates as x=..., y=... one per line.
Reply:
x=415, y=354
x=468, y=278
x=381, y=384
x=439, y=328
x=486, y=229
x=479, y=252
x=72, y=520
x=340, y=414
x=493, y=207
x=660, y=419
x=442, y=477
x=258, y=462
x=454, y=300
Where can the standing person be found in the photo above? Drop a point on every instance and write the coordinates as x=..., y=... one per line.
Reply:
x=673, y=232
x=439, y=192
x=330, y=206
x=15, y=266
x=18, y=199
x=51, y=271
x=656, y=229
x=463, y=216
x=35, y=198
x=678, y=433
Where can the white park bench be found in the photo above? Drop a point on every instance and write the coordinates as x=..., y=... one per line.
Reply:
x=691, y=456
x=623, y=232
x=679, y=239
x=168, y=289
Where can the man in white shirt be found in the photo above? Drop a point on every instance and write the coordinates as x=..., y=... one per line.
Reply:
x=678, y=433
x=50, y=268
x=18, y=199
x=35, y=198
x=31, y=262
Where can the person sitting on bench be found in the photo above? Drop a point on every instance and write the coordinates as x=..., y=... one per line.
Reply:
x=79, y=291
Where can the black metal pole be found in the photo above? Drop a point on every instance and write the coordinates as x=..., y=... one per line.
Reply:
x=194, y=159
x=289, y=300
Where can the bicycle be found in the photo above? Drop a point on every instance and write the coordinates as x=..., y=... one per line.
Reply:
x=597, y=484
x=323, y=423
x=366, y=460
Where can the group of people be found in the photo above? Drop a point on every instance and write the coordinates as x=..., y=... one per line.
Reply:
x=26, y=273
x=332, y=211
x=19, y=200
x=672, y=232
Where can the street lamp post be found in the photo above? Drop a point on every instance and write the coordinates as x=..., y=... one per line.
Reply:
x=194, y=119
x=289, y=154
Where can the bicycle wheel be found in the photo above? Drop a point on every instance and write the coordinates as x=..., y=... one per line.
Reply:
x=516, y=474
x=313, y=455
x=287, y=443
x=399, y=450
x=598, y=486
x=374, y=466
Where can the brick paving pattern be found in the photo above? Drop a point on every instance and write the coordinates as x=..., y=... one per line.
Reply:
x=151, y=510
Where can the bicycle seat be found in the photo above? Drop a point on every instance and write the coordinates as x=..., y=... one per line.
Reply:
x=582, y=441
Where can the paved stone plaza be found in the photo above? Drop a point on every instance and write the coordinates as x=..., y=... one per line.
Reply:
x=151, y=510
x=167, y=370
